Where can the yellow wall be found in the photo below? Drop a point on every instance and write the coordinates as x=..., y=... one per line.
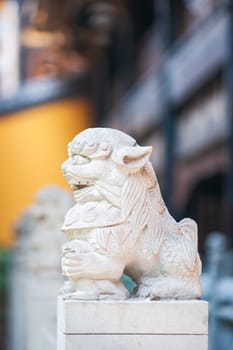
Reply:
x=33, y=144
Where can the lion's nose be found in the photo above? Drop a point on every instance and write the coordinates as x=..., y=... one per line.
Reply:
x=64, y=167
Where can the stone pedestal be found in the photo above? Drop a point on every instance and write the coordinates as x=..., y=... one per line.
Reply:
x=132, y=324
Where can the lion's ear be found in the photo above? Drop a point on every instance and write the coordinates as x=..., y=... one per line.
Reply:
x=133, y=158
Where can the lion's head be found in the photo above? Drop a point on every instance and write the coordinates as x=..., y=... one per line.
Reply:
x=111, y=177
x=102, y=154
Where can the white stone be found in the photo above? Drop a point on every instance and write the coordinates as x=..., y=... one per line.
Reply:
x=132, y=324
x=120, y=223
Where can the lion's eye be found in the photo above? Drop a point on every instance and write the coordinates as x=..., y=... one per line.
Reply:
x=79, y=160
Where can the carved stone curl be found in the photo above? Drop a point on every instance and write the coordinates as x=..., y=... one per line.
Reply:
x=121, y=224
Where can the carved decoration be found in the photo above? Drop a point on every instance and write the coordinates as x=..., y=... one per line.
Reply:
x=119, y=223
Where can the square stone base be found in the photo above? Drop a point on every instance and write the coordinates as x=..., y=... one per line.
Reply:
x=132, y=324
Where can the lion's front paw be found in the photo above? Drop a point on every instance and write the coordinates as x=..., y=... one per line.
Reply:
x=77, y=265
x=76, y=246
x=77, y=258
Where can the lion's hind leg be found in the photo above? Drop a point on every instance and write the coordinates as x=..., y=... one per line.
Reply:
x=167, y=287
x=178, y=271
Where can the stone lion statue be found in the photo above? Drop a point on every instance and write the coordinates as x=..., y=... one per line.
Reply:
x=121, y=224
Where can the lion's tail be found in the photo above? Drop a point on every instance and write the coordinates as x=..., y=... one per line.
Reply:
x=189, y=229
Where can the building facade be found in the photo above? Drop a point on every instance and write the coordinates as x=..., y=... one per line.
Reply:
x=181, y=103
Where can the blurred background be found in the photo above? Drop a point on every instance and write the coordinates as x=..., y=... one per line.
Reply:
x=160, y=70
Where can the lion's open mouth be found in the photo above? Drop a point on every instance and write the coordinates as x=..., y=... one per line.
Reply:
x=78, y=187
x=76, y=183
